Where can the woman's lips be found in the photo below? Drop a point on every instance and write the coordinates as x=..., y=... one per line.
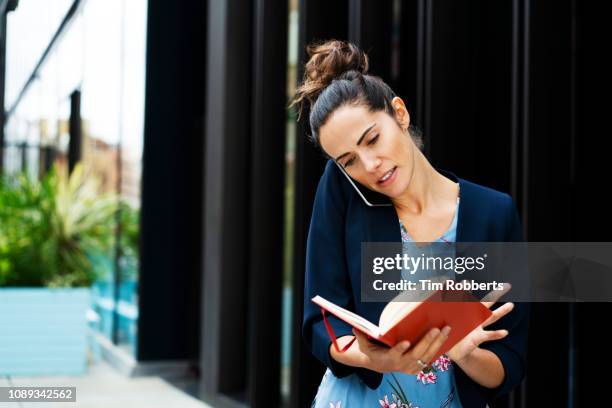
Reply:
x=389, y=180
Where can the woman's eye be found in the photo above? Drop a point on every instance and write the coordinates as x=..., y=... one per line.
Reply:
x=373, y=140
x=349, y=162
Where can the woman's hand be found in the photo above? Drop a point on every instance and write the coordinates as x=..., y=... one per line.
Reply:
x=476, y=337
x=401, y=357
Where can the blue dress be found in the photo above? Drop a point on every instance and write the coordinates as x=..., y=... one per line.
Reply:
x=432, y=387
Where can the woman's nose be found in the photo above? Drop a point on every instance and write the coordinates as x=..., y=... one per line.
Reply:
x=372, y=163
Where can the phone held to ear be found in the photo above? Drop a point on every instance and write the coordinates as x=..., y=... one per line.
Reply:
x=371, y=198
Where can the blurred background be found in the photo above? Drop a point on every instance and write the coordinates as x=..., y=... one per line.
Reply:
x=156, y=193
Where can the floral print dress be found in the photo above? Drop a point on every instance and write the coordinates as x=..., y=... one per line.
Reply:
x=433, y=387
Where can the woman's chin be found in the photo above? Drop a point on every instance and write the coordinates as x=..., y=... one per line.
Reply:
x=389, y=192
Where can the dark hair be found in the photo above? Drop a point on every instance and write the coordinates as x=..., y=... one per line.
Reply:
x=336, y=75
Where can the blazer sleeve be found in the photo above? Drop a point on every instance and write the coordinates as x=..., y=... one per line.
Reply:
x=512, y=349
x=326, y=270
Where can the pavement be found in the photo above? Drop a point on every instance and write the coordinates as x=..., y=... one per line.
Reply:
x=102, y=387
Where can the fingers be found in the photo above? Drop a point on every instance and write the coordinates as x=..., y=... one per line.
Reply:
x=492, y=297
x=399, y=349
x=490, y=335
x=499, y=313
x=421, y=347
x=362, y=340
x=424, y=350
x=381, y=359
x=433, y=348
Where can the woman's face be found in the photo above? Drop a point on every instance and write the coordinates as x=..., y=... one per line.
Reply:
x=371, y=147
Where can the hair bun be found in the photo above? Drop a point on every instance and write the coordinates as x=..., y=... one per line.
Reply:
x=331, y=59
x=327, y=61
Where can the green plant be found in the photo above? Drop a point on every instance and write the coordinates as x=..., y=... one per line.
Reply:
x=129, y=241
x=48, y=227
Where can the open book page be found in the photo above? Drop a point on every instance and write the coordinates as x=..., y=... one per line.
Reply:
x=349, y=317
x=393, y=313
x=401, y=305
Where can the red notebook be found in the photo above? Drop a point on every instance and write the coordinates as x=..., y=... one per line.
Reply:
x=412, y=320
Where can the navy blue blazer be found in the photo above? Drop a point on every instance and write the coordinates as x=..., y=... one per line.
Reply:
x=341, y=221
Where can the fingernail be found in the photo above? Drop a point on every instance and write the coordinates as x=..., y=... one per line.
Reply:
x=446, y=330
x=434, y=332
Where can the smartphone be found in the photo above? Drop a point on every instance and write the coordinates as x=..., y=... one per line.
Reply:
x=370, y=197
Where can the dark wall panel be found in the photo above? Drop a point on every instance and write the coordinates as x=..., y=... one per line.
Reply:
x=169, y=293
x=590, y=220
x=549, y=173
x=267, y=205
x=226, y=224
x=471, y=82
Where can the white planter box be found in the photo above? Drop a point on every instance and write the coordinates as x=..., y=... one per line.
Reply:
x=43, y=331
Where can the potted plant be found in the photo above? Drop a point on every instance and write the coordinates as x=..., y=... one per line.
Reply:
x=47, y=229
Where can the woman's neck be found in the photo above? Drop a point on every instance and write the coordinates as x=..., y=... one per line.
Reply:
x=427, y=187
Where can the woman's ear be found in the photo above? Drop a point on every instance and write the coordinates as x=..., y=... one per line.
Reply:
x=401, y=113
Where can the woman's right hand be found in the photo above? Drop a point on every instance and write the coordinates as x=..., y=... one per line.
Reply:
x=401, y=357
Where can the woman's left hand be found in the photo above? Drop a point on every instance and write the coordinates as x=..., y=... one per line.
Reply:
x=479, y=335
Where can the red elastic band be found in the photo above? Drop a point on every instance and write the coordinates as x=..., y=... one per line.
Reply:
x=330, y=331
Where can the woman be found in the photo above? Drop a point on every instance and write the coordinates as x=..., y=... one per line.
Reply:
x=364, y=128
